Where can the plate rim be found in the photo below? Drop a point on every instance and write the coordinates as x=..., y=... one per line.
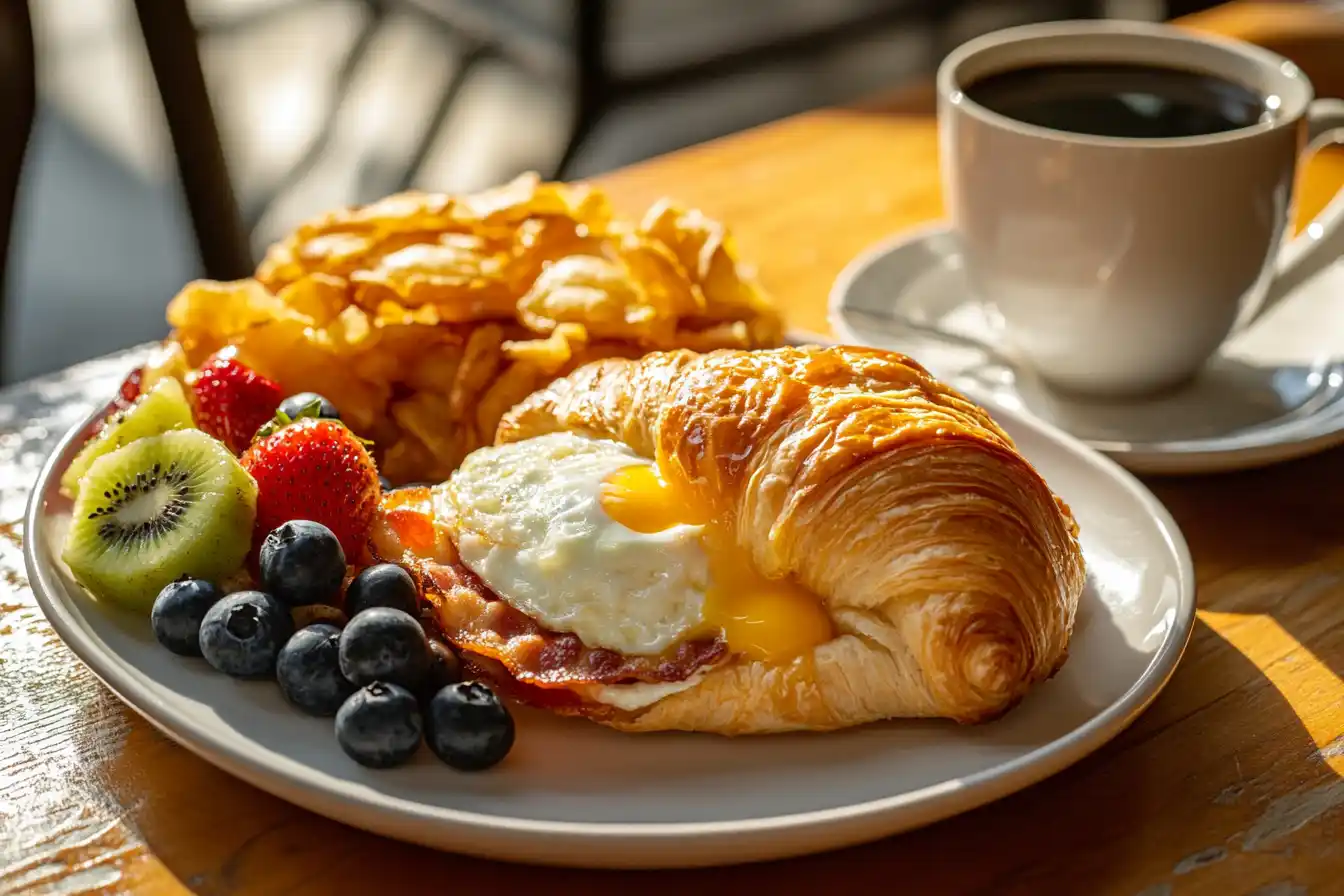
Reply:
x=1266, y=446
x=733, y=841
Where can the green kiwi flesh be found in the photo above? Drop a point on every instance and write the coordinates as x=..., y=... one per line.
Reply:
x=161, y=409
x=165, y=506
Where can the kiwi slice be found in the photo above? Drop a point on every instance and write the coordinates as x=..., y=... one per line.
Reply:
x=176, y=504
x=159, y=410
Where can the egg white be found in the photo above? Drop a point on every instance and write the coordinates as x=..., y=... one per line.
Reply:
x=530, y=523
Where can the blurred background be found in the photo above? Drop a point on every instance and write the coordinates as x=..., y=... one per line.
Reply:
x=320, y=103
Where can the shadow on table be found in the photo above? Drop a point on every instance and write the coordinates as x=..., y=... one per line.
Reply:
x=1284, y=522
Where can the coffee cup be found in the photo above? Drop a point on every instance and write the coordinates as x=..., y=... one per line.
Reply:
x=1122, y=193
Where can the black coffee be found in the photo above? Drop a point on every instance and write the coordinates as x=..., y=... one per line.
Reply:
x=1119, y=100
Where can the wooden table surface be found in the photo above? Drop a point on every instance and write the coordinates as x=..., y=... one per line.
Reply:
x=1230, y=784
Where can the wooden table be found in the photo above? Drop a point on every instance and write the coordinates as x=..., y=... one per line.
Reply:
x=1230, y=784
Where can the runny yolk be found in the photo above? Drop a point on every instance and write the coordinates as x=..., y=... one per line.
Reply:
x=765, y=619
x=639, y=499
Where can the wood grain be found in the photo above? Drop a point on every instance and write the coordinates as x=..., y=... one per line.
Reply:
x=1230, y=784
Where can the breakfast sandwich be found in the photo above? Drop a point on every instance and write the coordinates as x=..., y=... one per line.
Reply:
x=746, y=542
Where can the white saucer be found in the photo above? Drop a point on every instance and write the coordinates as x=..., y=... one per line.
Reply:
x=573, y=793
x=1274, y=393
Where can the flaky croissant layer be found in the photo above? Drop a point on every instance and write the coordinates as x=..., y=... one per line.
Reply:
x=951, y=571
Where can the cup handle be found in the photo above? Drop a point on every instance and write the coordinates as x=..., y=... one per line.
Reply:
x=1322, y=242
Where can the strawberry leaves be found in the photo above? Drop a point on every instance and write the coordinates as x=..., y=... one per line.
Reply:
x=310, y=411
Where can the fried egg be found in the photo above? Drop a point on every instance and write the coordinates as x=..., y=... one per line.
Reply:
x=584, y=536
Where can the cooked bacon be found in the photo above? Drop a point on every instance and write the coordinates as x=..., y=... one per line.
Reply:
x=406, y=526
x=473, y=619
x=561, y=701
x=514, y=652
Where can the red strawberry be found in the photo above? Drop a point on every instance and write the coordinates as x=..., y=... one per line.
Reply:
x=315, y=469
x=130, y=388
x=126, y=396
x=232, y=401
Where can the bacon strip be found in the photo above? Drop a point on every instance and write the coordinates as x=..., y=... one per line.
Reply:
x=471, y=617
x=476, y=621
x=560, y=701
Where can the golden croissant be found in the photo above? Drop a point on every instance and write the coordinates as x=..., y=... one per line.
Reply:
x=746, y=542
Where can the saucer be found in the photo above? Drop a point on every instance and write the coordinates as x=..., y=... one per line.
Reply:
x=1273, y=393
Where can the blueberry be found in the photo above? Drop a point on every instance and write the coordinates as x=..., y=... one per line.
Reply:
x=296, y=403
x=383, y=644
x=302, y=563
x=444, y=669
x=242, y=634
x=309, y=670
x=384, y=483
x=382, y=585
x=467, y=727
x=177, y=614
x=379, y=725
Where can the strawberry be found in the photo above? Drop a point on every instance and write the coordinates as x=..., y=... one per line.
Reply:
x=315, y=469
x=232, y=401
x=130, y=388
x=126, y=396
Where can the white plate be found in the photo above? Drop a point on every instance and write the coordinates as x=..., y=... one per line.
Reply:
x=1273, y=393
x=573, y=793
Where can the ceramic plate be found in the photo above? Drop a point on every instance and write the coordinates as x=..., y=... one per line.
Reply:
x=574, y=793
x=1274, y=392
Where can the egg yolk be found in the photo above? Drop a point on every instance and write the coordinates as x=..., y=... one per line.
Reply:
x=763, y=618
x=639, y=499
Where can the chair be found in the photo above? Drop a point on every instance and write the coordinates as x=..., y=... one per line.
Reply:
x=171, y=42
x=18, y=109
x=579, y=41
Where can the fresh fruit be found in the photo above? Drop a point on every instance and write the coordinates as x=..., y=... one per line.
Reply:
x=162, y=409
x=382, y=585
x=316, y=470
x=444, y=669
x=130, y=389
x=384, y=483
x=301, y=562
x=468, y=727
x=309, y=404
x=232, y=401
x=379, y=725
x=160, y=508
x=308, y=670
x=177, y=614
x=382, y=644
x=242, y=634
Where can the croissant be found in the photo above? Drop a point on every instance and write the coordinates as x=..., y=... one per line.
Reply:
x=947, y=571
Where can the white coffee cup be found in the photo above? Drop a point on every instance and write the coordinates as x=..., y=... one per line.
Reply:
x=1120, y=265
